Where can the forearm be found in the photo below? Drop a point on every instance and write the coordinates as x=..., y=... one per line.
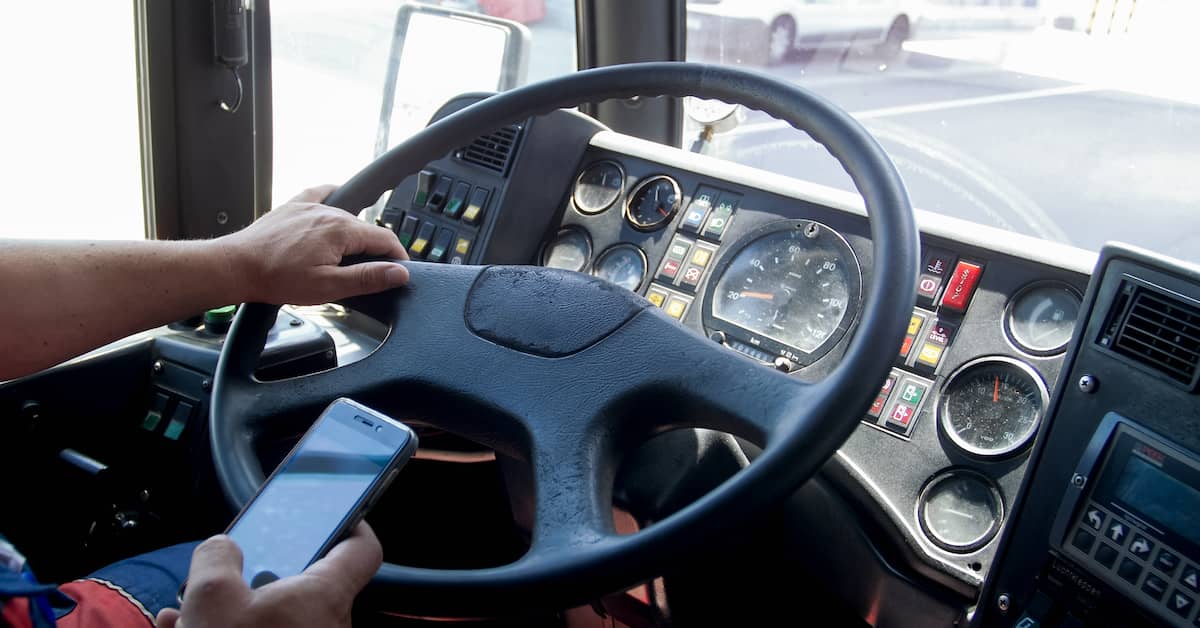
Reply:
x=61, y=299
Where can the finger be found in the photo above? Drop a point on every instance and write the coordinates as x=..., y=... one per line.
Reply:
x=167, y=618
x=372, y=240
x=314, y=194
x=354, y=561
x=215, y=576
x=365, y=278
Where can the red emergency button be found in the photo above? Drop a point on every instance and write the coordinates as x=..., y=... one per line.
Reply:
x=961, y=286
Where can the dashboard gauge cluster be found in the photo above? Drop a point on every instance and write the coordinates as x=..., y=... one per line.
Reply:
x=991, y=407
x=1040, y=319
x=791, y=289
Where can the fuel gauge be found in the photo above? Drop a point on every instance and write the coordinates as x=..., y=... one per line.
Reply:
x=653, y=203
x=1041, y=318
x=622, y=264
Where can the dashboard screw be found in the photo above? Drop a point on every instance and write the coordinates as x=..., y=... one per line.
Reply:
x=158, y=367
x=1003, y=602
x=206, y=385
x=812, y=230
x=295, y=322
x=717, y=337
x=222, y=218
x=1088, y=384
x=1078, y=481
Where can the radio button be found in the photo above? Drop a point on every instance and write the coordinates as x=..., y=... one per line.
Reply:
x=1106, y=555
x=1094, y=519
x=1154, y=586
x=1083, y=540
x=1117, y=532
x=1191, y=578
x=1129, y=570
x=1141, y=547
x=1166, y=562
x=1180, y=603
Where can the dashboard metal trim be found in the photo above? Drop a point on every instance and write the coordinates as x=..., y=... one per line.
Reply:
x=974, y=234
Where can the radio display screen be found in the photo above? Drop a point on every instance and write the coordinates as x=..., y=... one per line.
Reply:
x=1158, y=495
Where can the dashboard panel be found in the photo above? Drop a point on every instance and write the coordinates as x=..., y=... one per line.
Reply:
x=774, y=269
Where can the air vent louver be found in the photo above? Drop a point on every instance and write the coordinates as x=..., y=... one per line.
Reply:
x=1160, y=331
x=494, y=151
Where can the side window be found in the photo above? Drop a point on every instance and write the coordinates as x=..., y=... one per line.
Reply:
x=69, y=147
x=329, y=68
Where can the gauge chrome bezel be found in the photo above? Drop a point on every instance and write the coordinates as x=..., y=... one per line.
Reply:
x=1006, y=319
x=609, y=251
x=854, y=280
x=637, y=189
x=587, y=238
x=943, y=417
x=981, y=541
x=575, y=188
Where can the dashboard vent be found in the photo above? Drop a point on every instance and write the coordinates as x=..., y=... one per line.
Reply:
x=1158, y=330
x=495, y=150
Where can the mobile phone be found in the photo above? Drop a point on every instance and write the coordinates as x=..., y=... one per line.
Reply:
x=320, y=491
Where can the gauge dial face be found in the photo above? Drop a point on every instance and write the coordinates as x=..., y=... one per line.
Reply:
x=992, y=406
x=797, y=285
x=960, y=511
x=570, y=250
x=598, y=187
x=1041, y=318
x=653, y=202
x=622, y=264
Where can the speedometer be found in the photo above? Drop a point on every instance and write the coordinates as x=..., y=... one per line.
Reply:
x=791, y=290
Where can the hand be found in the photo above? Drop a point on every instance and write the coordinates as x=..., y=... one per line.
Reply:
x=218, y=597
x=291, y=254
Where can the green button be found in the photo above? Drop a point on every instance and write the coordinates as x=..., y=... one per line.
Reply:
x=405, y=239
x=150, y=423
x=220, y=314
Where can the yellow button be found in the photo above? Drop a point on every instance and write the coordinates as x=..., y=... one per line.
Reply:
x=472, y=213
x=657, y=298
x=930, y=354
x=914, y=325
x=462, y=246
x=418, y=246
x=701, y=257
x=675, y=307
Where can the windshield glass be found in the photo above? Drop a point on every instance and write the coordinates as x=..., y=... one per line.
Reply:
x=1075, y=121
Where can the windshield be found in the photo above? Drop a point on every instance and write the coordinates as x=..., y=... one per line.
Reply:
x=1075, y=121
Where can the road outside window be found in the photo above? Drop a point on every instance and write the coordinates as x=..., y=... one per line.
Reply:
x=1074, y=121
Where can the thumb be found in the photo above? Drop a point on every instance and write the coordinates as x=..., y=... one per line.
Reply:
x=366, y=278
x=167, y=618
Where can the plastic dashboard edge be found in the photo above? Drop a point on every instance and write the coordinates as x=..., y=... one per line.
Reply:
x=930, y=223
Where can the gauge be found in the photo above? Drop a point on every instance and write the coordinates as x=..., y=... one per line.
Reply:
x=570, y=250
x=653, y=202
x=791, y=289
x=960, y=510
x=598, y=187
x=622, y=264
x=992, y=406
x=1041, y=317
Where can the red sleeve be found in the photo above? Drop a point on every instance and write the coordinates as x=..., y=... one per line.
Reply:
x=98, y=605
x=15, y=612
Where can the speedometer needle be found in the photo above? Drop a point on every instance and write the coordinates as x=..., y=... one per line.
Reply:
x=996, y=391
x=757, y=295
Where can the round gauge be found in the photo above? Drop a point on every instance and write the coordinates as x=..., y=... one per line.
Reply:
x=960, y=510
x=991, y=406
x=708, y=112
x=653, y=202
x=792, y=288
x=1041, y=317
x=598, y=187
x=622, y=264
x=571, y=249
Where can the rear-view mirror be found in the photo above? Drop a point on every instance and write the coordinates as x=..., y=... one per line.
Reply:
x=438, y=53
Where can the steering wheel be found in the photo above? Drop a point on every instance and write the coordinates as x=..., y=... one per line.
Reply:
x=563, y=370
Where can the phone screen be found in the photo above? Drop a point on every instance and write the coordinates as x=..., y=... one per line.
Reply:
x=314, y=492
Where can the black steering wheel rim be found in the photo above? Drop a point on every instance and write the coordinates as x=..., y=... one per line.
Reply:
x=801, y=426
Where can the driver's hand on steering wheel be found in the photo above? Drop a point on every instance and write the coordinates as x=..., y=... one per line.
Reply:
x=291, y=254
x=218, y=597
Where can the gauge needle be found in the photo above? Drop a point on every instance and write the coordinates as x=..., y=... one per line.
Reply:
x=996, y=391
x=757, y=295
x=662, y=211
